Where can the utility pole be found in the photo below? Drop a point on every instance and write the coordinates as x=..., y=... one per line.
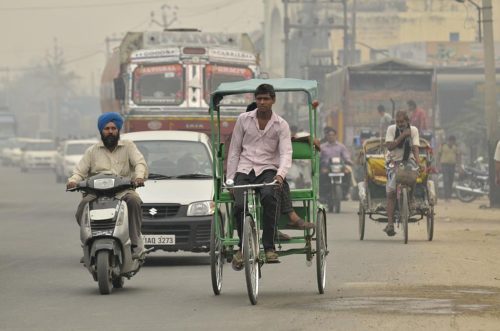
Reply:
x=345, y=57
x=287, y=26
x=55, y=62
x=490, y=103
x=353, y=34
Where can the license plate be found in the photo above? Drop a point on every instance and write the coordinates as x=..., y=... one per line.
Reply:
x=158, y=239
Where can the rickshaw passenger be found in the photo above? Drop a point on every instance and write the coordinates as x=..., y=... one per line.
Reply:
x=260, y=151
x=399, y=149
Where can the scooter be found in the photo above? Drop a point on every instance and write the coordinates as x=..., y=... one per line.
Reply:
x=104, y=233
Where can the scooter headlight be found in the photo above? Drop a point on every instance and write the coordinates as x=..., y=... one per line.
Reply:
x=104, y=183
x=85, y=221
x=336, y=168
x=201, y=208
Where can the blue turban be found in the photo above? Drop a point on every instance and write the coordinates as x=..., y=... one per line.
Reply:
x=109, y=117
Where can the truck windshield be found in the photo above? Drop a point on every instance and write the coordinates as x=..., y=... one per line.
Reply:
x=158, y=85
x=216, y=74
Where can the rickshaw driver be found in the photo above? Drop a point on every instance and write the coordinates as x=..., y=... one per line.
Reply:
x=399, y=149
x=260, y=152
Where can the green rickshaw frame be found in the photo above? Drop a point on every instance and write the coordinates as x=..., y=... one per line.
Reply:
x=222, y=239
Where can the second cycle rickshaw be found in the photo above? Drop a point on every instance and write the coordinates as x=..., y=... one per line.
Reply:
x=312, y=243
x=373, y=197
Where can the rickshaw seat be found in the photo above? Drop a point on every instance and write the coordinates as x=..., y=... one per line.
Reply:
x=301, y=150
x=301, y=194
x=375, y=169
x=225, y=196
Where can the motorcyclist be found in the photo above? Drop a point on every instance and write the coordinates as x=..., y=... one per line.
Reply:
x=122, y=158
x=329, y=149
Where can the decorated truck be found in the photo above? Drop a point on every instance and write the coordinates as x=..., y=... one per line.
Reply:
x=162, y=80
x=354, y=92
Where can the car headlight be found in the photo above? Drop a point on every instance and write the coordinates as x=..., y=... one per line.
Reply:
x=201, y=208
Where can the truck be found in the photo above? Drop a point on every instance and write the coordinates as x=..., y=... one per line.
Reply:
x=354, y=92
x=162, y=80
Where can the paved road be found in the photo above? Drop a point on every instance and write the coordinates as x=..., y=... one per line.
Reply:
x=450, y=283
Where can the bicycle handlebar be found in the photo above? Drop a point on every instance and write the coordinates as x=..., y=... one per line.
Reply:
x=226, y=186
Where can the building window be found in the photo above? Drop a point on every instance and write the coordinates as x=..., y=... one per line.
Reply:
x=454, y=36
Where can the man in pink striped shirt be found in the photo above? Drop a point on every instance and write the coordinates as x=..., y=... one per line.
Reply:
x=260, y=151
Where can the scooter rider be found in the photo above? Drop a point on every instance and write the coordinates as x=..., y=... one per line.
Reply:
x=332, y=148
x=122, y=158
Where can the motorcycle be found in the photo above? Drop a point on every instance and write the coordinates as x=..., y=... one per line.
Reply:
x=107, y=252
x=473, y=183
x=336, y=174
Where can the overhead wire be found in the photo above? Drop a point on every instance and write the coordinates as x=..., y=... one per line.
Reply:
x=95, y=5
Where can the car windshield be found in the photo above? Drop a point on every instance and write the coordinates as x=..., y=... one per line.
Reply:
x=77, y=149
x=42, y=146
x=176, y=159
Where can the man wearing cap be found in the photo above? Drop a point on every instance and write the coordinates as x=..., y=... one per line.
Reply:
x=122, y=158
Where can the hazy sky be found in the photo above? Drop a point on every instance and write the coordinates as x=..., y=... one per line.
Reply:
x=28, y=27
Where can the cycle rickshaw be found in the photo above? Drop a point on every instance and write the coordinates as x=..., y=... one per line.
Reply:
x=373, y=195
x=311, y=242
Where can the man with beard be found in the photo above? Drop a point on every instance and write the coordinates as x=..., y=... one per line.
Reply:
x=122, y=158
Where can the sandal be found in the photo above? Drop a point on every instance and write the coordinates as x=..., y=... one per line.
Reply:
x=389, y=229
x=300, y=225
x=280, y=236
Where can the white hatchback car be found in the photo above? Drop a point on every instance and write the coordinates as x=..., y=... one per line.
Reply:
x=69, y=154
x=12, y=151
x=177, y=198
x=38, y=154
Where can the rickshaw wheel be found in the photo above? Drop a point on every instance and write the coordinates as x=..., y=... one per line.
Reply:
x=430, y=225
x=321, y=250
x=362, y=219
x=251, y=258
x=404, y=212
x=216, y=255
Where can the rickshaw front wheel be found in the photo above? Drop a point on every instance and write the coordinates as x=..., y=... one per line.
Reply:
x=216, y=254
x=430, y=225
x=251, y=258
x=362, y=219
x=321, y=250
